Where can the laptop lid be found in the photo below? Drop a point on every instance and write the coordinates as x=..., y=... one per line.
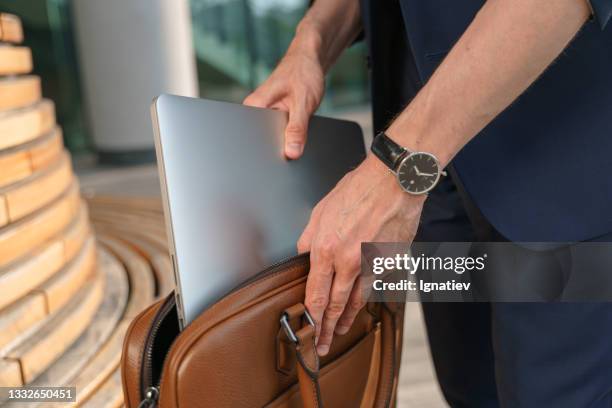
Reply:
x=233, y=203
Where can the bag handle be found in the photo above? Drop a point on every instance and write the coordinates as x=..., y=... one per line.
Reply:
x=306, y=352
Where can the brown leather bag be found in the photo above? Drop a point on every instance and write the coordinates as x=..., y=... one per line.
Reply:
x=255, y=348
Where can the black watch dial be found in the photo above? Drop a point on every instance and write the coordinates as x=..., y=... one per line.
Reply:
x=418, y=173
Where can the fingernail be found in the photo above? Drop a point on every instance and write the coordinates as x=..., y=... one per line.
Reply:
x=322, y=350
x=294, y=149
x=342, y=329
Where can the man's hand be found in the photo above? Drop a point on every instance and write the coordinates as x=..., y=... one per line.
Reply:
x=298, y=83
x=366, y=205
x=296, y=86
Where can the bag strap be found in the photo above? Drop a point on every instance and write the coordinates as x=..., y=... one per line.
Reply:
x=307, y=358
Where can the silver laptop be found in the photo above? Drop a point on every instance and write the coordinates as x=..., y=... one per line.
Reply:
x=233, y=203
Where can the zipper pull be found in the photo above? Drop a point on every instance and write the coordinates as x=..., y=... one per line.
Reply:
x=150, y=399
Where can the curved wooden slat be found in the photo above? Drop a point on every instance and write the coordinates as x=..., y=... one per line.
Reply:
x=91, y=355
x=144, y=230
x=20, y=238
x=18, y=281
x=73, y=238
x=151, y=246
x=138, y=204
x=44, y=151
x=19, y=92
x=110, y=395
x=15, y=60
x=31, y=194
x=10, y=28
x=21, y=316
x=3, y=212
x=20, y=162
x=141, y=276
x=57, y=333
x=23, y=125
x=10, y=373
x=118, y=218
x=103, y=365
x=159, y=260
x=62, y=286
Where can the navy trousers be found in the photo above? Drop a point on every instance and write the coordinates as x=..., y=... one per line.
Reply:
x=517, y=355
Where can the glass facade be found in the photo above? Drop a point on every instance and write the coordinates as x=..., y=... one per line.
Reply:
x=237, y=44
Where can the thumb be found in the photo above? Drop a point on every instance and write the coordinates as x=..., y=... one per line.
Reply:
x=296, y=131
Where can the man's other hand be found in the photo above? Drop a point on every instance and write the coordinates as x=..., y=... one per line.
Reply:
x=296, y=86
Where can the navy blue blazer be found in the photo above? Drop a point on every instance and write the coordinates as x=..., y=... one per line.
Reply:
x=542, y=170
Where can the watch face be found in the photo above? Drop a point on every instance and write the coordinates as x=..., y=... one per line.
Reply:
x=418, y=173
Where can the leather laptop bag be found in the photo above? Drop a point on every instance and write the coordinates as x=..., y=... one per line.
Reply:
x=256, y=348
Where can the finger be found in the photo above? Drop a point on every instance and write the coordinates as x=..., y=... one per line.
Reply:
x=340, y=292
x=265, y=96
x=319, y=283
x=305, y=241
x=296, y=130
x=259, y=99
x=357, y=300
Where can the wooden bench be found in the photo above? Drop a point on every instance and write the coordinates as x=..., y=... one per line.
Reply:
x=22, y=161
x=10, y=28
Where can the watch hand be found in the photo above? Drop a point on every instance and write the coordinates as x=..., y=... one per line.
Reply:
x=427, y=174
x=418, y=173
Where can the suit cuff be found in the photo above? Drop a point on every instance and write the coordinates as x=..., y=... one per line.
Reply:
x=602, y=11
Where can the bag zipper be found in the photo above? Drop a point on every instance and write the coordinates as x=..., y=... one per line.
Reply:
x=150, y=398
x=149, y=391
x=270, y=270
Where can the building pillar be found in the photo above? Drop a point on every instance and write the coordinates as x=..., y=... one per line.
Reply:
x=130, y=52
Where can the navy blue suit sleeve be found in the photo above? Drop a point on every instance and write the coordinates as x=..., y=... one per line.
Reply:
x=602, y=10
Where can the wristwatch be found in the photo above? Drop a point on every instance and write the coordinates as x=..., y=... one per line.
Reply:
x=416, y=172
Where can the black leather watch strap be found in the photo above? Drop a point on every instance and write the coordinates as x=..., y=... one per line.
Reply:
x=389, y=152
